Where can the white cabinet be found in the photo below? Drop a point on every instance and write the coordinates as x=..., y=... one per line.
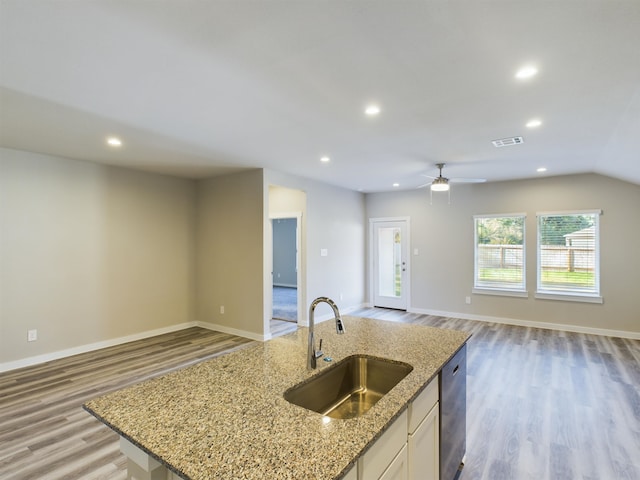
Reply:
x=409, y=449
x=424, y=435
x=382, y=454
x=423, y=449
x=398, y=468
x=352, y=475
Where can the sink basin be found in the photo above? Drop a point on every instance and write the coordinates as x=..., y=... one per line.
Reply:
x=350, y=387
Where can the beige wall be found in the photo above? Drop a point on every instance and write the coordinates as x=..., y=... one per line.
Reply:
x=90, y=253
x=442, y=272
x=229, y=252
x=335, y=220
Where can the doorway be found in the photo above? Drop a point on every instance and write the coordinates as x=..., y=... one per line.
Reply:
x=285, y=203
x=285, y=264
x=389, y=262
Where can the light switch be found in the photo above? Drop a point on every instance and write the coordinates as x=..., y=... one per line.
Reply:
x=324, y=252
x=415, y=251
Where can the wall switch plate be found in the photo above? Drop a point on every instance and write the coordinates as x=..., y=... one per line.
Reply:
x=416, y=251
x=32, y=335
x=324, y=252
x=221, y=308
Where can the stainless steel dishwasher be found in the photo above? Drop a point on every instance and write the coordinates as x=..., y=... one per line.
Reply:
x=453, y=415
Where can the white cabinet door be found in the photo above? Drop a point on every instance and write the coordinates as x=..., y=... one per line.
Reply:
x=352, y=475
x=398, y=468
x=382, y=453
x=424, y=449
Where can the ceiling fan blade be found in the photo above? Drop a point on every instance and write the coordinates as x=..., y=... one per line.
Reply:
x=467, y=180
x=424, y=185
x=427, y=176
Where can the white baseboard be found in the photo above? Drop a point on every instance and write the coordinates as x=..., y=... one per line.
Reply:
x=30, y=361
x=68, y=352
x=233, y=331
x=529, y=323
x=348, y=310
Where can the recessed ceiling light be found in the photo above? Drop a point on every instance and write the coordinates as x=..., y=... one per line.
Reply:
x=114, y=141
x=533, y=123
x=526, y=72
x=396, y=184
x=325, y=159
x=372, y=110
x=541, y=169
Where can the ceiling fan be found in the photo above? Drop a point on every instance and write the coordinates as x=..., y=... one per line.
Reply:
x=441, y=184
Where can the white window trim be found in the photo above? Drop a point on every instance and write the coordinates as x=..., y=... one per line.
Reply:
x=502, y=292
x=562, y=295
x=498, y=291
x=568, y=297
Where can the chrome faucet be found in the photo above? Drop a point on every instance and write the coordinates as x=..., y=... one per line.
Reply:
x=312, y=354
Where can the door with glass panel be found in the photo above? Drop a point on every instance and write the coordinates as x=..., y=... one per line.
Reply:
x=390, y=263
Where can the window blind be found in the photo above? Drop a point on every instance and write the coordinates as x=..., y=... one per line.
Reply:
x=499, y=252
x=568, y=253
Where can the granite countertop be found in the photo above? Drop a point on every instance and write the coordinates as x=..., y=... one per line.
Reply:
x=227, y=418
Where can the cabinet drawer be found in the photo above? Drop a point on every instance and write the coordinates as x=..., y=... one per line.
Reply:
x=352, y=475
x=424, y=449
x=398, y=468
x=372, y=464
x=423, y=404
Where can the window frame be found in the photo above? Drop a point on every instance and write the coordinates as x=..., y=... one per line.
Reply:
x=521, y=290
x=569, y=294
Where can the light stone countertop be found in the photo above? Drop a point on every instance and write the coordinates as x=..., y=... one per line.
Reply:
x=226, y=418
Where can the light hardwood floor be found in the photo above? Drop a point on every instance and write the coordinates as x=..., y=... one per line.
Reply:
x=542, y=404
x=45, y=433
x=546, y=405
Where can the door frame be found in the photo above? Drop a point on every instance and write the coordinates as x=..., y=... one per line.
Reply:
x=407, y=278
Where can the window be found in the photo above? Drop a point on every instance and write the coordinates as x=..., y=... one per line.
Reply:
x=499, y=254
x=568, y=256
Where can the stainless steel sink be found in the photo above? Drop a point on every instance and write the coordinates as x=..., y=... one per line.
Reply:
x=350, y=387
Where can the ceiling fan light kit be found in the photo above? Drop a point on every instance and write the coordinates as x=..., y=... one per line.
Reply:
x=440, y=184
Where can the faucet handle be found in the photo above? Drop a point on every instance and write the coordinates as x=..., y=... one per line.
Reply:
x=319, y=352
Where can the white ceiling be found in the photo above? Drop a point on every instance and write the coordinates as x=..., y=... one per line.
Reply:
x=199, y=88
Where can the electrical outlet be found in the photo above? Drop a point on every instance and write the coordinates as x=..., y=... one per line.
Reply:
x=221, y=308
x=467, y=300
x=32, y=335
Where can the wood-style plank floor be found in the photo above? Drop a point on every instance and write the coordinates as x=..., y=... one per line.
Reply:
x=545, y=405
x=44, y=432
x=541, y=404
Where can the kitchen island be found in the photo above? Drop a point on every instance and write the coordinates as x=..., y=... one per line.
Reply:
x=226, y=418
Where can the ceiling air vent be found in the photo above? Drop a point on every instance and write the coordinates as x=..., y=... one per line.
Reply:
x=506, y=142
